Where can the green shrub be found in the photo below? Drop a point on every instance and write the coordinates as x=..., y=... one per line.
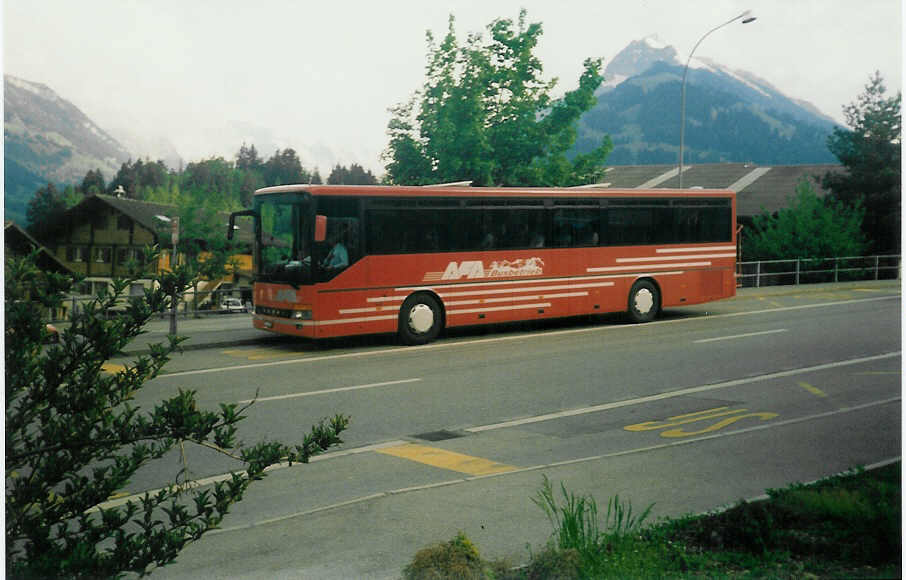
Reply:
x=457, y=559
x=554, y=564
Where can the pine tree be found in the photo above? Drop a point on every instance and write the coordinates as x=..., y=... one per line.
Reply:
x=870, y=151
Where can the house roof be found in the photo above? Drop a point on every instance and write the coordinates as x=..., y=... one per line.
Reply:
x=19, y=242
x=147, y=215
x=143, y=212
x=758, y=187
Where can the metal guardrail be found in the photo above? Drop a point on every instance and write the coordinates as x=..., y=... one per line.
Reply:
x=817, y=270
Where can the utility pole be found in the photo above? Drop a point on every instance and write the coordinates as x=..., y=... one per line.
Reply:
x=174, y=259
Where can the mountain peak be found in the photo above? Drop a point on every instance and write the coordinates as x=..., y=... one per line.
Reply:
x=639, y=56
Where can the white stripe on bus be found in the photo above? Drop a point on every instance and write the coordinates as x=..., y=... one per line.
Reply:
x=400, y=298
x=681, y=250
x=648, y=266
x=662, y=258
x=494, y=282
x=535, y=289
x=500, y=308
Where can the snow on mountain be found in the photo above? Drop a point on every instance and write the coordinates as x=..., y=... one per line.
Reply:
x=731, y=115
x=50, y=137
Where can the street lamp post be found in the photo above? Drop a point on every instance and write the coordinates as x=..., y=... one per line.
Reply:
x=174, y=240
x=746, y=17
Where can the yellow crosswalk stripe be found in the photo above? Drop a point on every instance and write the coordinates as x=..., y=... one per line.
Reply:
x=812, y=389
x=446, y=459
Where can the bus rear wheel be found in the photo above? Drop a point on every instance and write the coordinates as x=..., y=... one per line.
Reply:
x=644, y=301
x=420, y=319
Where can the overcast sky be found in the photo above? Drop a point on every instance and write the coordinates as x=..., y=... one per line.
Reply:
x=320, y=76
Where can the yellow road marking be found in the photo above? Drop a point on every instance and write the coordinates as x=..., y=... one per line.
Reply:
x=812, y=389
x=683, y=419
x=674, y=433
x=446, y=459
x=258, y=354
x=730, y=416
x=111, y=368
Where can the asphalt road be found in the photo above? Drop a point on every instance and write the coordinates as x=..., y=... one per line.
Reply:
x=705, y=406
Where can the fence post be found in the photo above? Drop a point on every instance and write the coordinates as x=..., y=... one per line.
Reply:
x=876, y=266
x=758, y=274
x=797, y=271
x=836, y=269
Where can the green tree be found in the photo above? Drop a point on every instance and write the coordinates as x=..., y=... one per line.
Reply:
x=870, y=152
x=284, y=168
x=251, y=173
x=136, y=177
x=44, y=211
x=72, y=196
x=485, y=114
x=248, y=160
x=74, y=437
x=355, y=174
x=93, y=182
x=809, y=228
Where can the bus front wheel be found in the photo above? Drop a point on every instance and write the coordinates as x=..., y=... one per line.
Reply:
x=644, y=301
x=420, y=319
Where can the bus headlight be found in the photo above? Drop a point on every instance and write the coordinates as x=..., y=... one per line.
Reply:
x=302, y=314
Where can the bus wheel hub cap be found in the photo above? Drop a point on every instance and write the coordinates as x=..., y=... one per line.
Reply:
x=421, y=318
x=644, y=300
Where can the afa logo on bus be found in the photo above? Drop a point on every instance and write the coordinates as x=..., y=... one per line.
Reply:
x=497, y=269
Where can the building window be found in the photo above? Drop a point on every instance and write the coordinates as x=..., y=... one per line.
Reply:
x=75, y=253
x=102, y=254
x=126, y=255
x=123, y=222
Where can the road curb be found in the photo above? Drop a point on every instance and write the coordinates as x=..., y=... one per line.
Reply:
x=199, y=346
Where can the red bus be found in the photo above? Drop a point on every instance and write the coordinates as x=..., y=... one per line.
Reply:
x=345, y=260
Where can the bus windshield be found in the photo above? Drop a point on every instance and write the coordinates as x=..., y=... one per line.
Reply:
x=286, y=237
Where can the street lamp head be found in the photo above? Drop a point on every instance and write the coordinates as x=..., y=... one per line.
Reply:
x=747, y=17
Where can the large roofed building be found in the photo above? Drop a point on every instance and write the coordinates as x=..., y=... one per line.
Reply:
x=758, y=187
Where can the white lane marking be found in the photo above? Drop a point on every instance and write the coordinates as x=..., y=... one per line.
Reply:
x=677, y=393
x=330, y=391
x=226, y=476
x=481, y=341
x=735, y=336
x=565, y=463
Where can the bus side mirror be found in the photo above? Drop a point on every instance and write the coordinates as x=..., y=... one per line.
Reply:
x=320, y=228
x=232, y=224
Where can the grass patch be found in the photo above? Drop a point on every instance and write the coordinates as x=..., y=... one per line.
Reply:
x=842, y=527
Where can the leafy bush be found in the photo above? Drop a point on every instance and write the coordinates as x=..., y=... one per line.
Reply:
x=457, y=559
x=73, y=437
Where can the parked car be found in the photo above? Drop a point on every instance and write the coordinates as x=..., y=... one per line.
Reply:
x=228, y=305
